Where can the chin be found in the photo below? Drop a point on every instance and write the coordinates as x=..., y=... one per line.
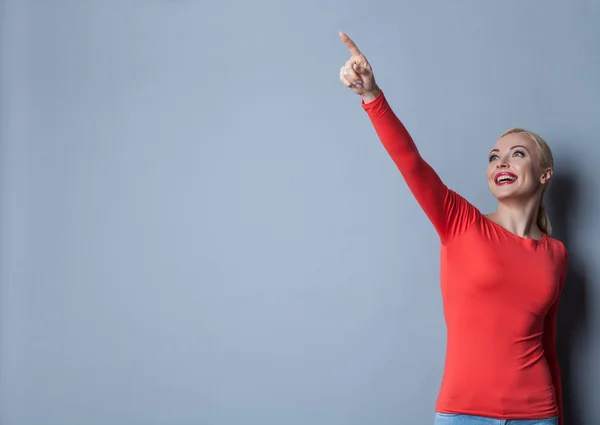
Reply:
x=504, y=196
x=507, y=194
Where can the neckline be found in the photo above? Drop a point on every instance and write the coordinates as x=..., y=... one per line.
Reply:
x=521, y=238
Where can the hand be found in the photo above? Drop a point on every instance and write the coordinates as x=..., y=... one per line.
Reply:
x=357, y=73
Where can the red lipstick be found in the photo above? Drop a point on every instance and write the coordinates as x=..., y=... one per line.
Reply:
x=505, y=178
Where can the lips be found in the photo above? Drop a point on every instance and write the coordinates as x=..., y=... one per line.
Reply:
x=505, y=178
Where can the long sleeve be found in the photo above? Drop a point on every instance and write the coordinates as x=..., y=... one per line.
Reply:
x=550, y=349
x=449, y=213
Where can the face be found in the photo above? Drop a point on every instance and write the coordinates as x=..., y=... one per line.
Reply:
x=514, y=169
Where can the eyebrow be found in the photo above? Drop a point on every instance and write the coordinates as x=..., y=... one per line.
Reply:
x=511, y=148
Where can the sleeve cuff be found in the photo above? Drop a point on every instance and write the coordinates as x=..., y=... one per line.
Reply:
x=375, y=103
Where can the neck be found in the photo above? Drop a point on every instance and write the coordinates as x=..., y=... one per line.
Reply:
x=519, y=217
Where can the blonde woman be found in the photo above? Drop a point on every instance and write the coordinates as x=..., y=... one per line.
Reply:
x=501, y=273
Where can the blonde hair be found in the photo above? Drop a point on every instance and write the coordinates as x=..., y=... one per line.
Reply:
x=546, y=161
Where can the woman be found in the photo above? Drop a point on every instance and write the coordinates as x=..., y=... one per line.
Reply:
x=501, y=273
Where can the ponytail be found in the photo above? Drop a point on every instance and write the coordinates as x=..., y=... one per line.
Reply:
x=543, y=222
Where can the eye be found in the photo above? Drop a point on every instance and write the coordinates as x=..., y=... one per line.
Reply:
x=492, y=158
x=519, y=153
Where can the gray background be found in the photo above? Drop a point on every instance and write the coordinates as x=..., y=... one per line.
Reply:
x=199, y=225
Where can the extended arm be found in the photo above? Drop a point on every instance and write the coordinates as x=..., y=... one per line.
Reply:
x=450, y=213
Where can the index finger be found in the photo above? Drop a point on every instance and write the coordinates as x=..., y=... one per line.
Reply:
x=350, y=44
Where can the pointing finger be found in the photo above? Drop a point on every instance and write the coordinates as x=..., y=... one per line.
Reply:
x=350, y=44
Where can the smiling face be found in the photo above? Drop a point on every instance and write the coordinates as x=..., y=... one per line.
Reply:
x=519, y=167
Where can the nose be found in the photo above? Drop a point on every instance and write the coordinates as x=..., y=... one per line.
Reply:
x=502, y=164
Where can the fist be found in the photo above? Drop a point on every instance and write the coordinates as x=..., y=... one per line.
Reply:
x=356, y=72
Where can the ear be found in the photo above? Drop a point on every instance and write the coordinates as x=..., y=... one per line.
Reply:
x=546, y=176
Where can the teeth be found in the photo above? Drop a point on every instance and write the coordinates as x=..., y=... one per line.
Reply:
x=506, y=178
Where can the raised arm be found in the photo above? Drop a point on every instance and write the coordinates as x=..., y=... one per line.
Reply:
x=449, y=212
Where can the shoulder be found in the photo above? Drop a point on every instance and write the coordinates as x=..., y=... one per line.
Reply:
x=559, y=247
x=460, y=201
x=561, y=255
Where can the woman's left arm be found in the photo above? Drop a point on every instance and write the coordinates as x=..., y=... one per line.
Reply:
x=550, y=349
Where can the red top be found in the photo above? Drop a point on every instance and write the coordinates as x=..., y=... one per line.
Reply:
x=500, y=293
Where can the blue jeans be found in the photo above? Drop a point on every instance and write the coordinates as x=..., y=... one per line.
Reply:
x=454, y=419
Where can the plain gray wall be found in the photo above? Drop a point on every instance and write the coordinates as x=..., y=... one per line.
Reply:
x=199, y=225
